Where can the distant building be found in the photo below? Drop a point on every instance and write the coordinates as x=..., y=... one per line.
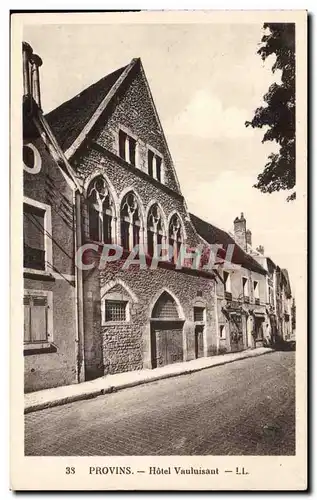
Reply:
x=279, y=295
x=240, y=299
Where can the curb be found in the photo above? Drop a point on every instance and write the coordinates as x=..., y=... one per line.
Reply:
x=93, y=393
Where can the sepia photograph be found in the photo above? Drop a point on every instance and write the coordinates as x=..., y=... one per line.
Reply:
x=162, y=275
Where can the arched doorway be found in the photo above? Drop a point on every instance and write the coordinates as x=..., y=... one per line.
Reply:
x=166, y=332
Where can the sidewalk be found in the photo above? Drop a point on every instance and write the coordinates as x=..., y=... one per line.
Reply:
x=48, y=398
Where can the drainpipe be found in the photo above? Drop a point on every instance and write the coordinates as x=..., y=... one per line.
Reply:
x=216, y=318
x=80, y=347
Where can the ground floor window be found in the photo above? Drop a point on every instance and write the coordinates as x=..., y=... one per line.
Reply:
x=37, y=316
x=199, y=314
x=115, y=310
x=222, y=332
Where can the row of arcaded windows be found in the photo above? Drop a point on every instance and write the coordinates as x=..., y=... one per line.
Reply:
x=102, y=223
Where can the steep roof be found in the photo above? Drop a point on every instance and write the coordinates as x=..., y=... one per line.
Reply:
x=68, y=120
x=213, y=235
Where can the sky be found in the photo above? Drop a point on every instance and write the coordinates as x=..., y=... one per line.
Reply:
x=206, y=81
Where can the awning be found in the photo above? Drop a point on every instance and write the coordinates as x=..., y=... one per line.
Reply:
x=231, y=311
x=258, y=314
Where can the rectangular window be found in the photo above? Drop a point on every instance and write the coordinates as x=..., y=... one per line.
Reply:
x=122, y=141
x=227, y=284
x=245, y=286
x=256, y=289
x=35, y=318
x=199, y=314
x=127, y=148
x=132, y=148
x=150, y=158
x=222, y=331
x=158, y=168
x=33, y=237
x=115, y=310
x=154, y=163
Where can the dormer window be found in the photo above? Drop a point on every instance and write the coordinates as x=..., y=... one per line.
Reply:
x=154, y=162
x=127, y=147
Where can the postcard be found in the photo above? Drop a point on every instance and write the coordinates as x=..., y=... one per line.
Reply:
x=159, y=251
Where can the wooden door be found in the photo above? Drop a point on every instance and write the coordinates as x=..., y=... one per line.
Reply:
x=199, y=341
x=166, y=343
x=236, y=334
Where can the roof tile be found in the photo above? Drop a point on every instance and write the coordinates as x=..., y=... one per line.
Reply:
x=69, y=119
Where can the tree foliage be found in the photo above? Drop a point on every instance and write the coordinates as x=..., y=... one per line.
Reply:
x=278, y=113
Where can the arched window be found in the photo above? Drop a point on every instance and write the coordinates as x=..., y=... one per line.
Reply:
x=155, y=231
x=130, y=222
x=101, y=211
x=165, y=308
x=175, y=234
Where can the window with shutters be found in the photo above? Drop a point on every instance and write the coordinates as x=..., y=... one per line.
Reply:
x=38, y=314
x=37, y=236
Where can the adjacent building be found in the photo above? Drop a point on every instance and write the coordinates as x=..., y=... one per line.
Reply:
x=50, y=332
x=98, y=173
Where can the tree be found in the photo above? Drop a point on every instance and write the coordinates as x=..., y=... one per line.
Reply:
x=279, y=111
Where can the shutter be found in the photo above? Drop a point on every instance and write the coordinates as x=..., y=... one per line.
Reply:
x=39, y=319
x=27, y=317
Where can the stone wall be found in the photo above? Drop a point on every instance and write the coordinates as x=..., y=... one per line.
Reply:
x=127, y=346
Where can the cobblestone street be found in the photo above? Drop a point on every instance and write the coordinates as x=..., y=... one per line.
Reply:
x=243, y=408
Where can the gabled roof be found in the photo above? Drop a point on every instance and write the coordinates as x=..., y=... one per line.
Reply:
x=69, y=119
x=213, y=235
x=73, y=120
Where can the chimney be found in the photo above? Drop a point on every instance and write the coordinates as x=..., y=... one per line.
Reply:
x=27, y=52
x=239, y=225
x=248, y=236
x=36, y=62
x=260, y=249
x=31, y=76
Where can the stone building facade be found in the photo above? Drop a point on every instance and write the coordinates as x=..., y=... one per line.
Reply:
x=108, y=181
